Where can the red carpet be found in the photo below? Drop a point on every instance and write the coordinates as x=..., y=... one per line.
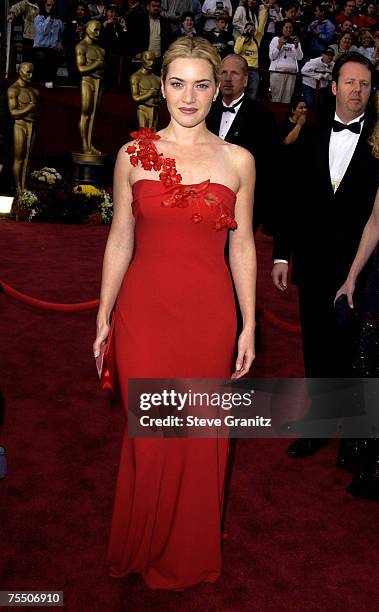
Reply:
x=296, y=541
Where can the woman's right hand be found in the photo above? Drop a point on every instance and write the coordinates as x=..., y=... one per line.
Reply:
x=279, y=275
x=301, y=120
x=101, y=337
x=347, y=289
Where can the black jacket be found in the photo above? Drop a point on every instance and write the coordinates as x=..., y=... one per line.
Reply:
x=320, y=228
x=254, y=129
x=139, y=33
x=224, y=41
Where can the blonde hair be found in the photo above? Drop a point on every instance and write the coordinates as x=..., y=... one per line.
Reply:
x=196, y=47
x=366, y=34
x=374, y=138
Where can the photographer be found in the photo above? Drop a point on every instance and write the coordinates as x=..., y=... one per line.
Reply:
x=114, y=32
x=285, y=52
x=248, y=47
x=113, y=39
x=72, y=35
x=245, y=13
x=47, y=43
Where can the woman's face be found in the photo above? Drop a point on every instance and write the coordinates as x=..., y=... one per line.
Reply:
x=111, y=14
x=365, y=41
x=251, y=3
x=189, y=89
x=80, y=11
x=288, y=29
x=301, y=109
x=291, y=13
x=49, y=6
x=346, y=41
x=371, y=9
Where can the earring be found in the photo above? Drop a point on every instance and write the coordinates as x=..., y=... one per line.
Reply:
x=164, y=97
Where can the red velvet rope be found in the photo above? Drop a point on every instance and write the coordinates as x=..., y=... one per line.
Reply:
x=42, y=304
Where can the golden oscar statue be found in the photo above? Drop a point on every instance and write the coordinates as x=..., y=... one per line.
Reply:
x=23, y=106
x=146, y=91
x=90, y=60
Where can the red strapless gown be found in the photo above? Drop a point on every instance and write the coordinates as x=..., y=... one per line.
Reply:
x=175, y=317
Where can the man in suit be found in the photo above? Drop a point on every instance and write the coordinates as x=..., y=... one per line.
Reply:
x=244, y=122
x=322, y=233
x=149, y=31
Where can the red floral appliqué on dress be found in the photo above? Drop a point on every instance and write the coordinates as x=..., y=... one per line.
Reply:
x=144, y=152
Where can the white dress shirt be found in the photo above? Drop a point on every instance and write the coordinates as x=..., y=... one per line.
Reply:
x=341, y=149
x=228, y=118
x=155, y=36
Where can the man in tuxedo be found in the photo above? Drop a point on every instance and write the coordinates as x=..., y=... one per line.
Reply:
x=322, y=232
x=244, y=122
x=148, y=31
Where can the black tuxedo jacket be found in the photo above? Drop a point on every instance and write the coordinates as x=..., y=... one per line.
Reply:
x=320, y=228
x=254, y=129
x=139, y=33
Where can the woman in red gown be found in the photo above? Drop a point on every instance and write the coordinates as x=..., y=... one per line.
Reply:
x=176, y=195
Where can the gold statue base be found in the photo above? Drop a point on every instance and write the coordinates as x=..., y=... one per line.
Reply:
x=88, y=167
x=90, y=158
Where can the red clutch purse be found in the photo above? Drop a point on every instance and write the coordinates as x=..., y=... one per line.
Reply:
x=105, y=362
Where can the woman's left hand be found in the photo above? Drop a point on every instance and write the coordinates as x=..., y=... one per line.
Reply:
x=246, y=353
x=347, y=289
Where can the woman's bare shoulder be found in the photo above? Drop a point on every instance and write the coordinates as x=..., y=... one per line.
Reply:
x=124, y=153
x=238, y=157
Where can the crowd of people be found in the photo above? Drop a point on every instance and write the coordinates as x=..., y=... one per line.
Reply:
x=277, y=41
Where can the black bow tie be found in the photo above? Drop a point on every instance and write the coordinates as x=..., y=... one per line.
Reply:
x=231, y=109
x=353, y=127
